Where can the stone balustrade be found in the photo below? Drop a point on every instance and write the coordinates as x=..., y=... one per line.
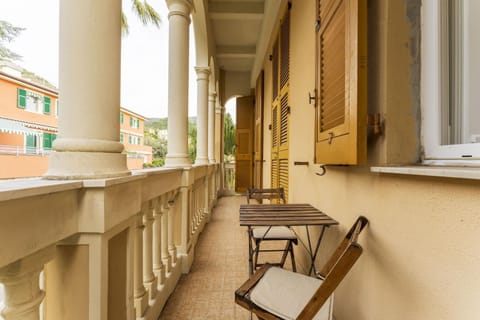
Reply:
x=108, y=248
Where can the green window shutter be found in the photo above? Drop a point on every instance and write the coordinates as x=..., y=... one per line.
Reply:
x=121, y=117
x=22, y=98
x=46, y=105
x=31, y=142
x=47, y=140
x=121, y=138
x=131, y=122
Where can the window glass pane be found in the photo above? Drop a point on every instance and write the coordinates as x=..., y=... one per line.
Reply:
x=460, y=72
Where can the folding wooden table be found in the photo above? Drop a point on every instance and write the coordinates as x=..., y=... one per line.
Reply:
x=292, y=214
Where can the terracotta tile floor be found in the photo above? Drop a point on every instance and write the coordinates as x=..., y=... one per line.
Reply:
x=219, y=268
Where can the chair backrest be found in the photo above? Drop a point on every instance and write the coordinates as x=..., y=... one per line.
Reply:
x=336, y=269
x=269, y=194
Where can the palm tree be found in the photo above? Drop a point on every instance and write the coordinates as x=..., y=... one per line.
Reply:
x=145, y=12
x=8, y=32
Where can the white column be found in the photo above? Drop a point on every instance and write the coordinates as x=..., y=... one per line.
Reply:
x=203, y=74
x=179, y=21
x=158, y=267
x=89, y=81
x=211, y=126
x=139, y=294
x=21, y=282
x=149, y=279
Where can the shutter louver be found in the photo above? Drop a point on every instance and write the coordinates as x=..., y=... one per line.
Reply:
x=274, y=127
x=283, y=175
x=341, y=82
x=284, y=51
x=275, y=70
x=284, y=111
x=46, y=105
x=21, y=98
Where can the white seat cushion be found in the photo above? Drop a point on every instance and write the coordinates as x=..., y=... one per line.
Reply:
x=285, y=294
x=273, y=233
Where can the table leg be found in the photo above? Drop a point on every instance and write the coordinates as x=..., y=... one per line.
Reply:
x=250, y=252
x=314, y=253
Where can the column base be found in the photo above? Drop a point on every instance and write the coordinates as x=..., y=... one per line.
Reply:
x=86, y=165
x=177, y=161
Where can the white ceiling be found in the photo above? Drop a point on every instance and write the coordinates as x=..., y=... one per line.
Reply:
x=236, y=26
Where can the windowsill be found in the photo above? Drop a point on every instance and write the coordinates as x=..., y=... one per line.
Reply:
x=472, y=173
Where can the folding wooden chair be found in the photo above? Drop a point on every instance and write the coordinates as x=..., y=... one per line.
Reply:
x=278, y=233
x=275, y=293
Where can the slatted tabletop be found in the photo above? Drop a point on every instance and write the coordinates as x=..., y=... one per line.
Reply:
x=294, y=214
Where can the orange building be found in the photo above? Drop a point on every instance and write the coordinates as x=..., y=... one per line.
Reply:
x=132, y=127
x=29, y=125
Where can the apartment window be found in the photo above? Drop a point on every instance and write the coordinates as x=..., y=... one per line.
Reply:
x=121, y=117
x=121, y=137
x=30, y=144
x=33, y=101
x=450, y=75
x=134, y=123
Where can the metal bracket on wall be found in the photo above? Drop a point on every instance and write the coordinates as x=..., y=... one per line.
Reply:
x=324, y=170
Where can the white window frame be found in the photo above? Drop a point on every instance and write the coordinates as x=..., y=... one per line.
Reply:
x=434, y=152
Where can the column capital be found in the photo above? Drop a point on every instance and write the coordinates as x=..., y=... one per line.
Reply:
x=180, y=7
x=212, y=95
x=203, y=73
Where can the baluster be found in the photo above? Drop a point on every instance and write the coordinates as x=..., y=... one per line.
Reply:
x=140, y=294
x=165, y=226
x=149, y=280
x=172, y=249
x=21, y=283
x=158, y=241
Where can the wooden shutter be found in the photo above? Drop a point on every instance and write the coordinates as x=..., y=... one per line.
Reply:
x=244, y=144
x=46, y=105
x=121, y=117
x=281, y=109
x=341, y=118
x=47, y=140
x=21, y=98
x=258, y=134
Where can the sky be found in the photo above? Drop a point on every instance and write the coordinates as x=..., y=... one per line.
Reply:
x=144, y=87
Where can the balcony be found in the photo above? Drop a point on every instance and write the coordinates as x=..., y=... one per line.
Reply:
x=106, y=248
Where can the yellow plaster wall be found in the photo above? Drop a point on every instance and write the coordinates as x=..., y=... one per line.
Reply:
x=421, y=255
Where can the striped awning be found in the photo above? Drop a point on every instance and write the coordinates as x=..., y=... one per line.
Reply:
x=15, y=127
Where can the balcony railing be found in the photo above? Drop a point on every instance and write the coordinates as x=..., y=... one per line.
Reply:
x=109, y=249
x=229, y=177
x=24, y=150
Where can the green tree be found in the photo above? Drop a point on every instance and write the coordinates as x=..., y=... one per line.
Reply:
x=145, y=12
x=229, y=134
x=159, y=145
x=192, y=141
x=8, y=32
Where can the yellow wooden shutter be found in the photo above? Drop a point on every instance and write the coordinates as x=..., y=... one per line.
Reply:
x=258, y=134
x=341, y=118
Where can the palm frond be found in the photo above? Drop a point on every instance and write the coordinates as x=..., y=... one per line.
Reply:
x=145, y=12
x=125, y=27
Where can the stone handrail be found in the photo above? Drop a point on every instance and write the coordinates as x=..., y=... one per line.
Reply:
x=108, y=247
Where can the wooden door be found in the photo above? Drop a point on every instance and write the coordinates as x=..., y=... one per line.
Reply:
x=244, y=144
x=258, y=135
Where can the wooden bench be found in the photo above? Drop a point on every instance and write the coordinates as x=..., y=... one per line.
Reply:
x=274, y=293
